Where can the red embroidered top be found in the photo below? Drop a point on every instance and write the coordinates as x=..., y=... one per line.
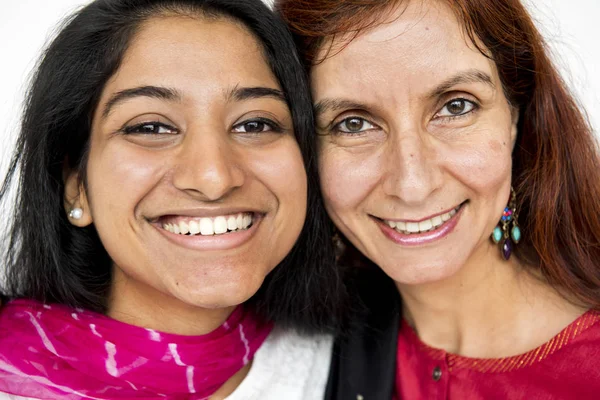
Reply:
x=567, y=368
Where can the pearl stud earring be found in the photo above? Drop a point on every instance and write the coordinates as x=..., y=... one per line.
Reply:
x=76, y=213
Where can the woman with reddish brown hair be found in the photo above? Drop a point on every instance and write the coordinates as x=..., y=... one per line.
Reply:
x=453, y=157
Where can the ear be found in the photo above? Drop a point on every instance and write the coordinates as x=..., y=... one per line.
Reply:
x=513, y=128
x=75, y=197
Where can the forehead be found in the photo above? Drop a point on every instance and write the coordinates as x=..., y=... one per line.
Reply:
x=422, y=42
x=193, y=54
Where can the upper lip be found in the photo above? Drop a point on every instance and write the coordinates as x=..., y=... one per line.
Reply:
x=205, y=212
x=423, y=219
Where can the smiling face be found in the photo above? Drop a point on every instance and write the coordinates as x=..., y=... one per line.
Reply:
x=415, y=145
x=195, y=182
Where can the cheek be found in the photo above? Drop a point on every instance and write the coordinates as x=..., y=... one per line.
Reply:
x=347, y=178
x=281, y=170
x=119, y=178
x=120, y=175
x=482, y=166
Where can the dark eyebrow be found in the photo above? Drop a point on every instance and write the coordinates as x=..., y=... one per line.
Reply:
x=337, y=105
x=155, y=92
x=469, y=76
x=246, y=93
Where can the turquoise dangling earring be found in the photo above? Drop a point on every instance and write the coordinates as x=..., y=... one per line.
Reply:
x=501, y=232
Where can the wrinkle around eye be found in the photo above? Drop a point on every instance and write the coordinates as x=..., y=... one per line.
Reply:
x=362, y=141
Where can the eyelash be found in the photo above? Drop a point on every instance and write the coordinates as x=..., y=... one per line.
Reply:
x=272, y=125
x=468, y=103
x=335, y=128
x=136, y=129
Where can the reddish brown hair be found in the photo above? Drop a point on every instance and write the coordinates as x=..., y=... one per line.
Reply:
x=555, y=161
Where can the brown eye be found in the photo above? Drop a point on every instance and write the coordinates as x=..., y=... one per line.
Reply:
x=150, y=128
x=254, y=126
x=257, y=126
x=456, y=108
x=354, y=125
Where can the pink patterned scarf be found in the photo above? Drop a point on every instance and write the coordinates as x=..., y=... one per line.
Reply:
x=53, y=351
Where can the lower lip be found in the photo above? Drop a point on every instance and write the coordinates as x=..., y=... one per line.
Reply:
x=419, y=239
x=225, y=241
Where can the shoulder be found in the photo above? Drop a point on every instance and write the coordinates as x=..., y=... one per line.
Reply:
x=580, y=337
x=287, y=341
x=574, y=367
x=288, y=366
x=579, y=342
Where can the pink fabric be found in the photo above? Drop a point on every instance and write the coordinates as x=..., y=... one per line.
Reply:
x=53, y=351
x=567, y=368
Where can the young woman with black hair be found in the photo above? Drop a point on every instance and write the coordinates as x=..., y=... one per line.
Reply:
x=159, y=243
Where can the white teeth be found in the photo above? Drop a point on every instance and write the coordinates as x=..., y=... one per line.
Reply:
x=412, y=227
x=210, y=226
x=206, y=227
x=194, y=228
x=231, y=223
x=184, y=228
x=220, y=225
x=423, y=226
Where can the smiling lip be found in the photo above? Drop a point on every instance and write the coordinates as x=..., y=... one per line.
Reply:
x=418, y=239
x=227, y=241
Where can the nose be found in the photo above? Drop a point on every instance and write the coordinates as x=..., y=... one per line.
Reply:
x=206, y=166
x=412, y=173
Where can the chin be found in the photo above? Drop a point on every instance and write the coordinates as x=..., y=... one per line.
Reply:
x=422, y=274
x=215, y=296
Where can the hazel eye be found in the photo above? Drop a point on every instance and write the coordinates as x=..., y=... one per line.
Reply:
x=151, y=128
x=354, y=125
x=456, y=107
x=256, y=126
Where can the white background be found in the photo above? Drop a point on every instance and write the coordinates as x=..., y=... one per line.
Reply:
x=572, y=28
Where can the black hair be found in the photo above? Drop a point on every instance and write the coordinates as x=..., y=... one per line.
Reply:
x=50, y=260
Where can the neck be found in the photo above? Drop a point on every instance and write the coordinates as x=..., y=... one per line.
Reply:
x=490, y=308
x=149, y=308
